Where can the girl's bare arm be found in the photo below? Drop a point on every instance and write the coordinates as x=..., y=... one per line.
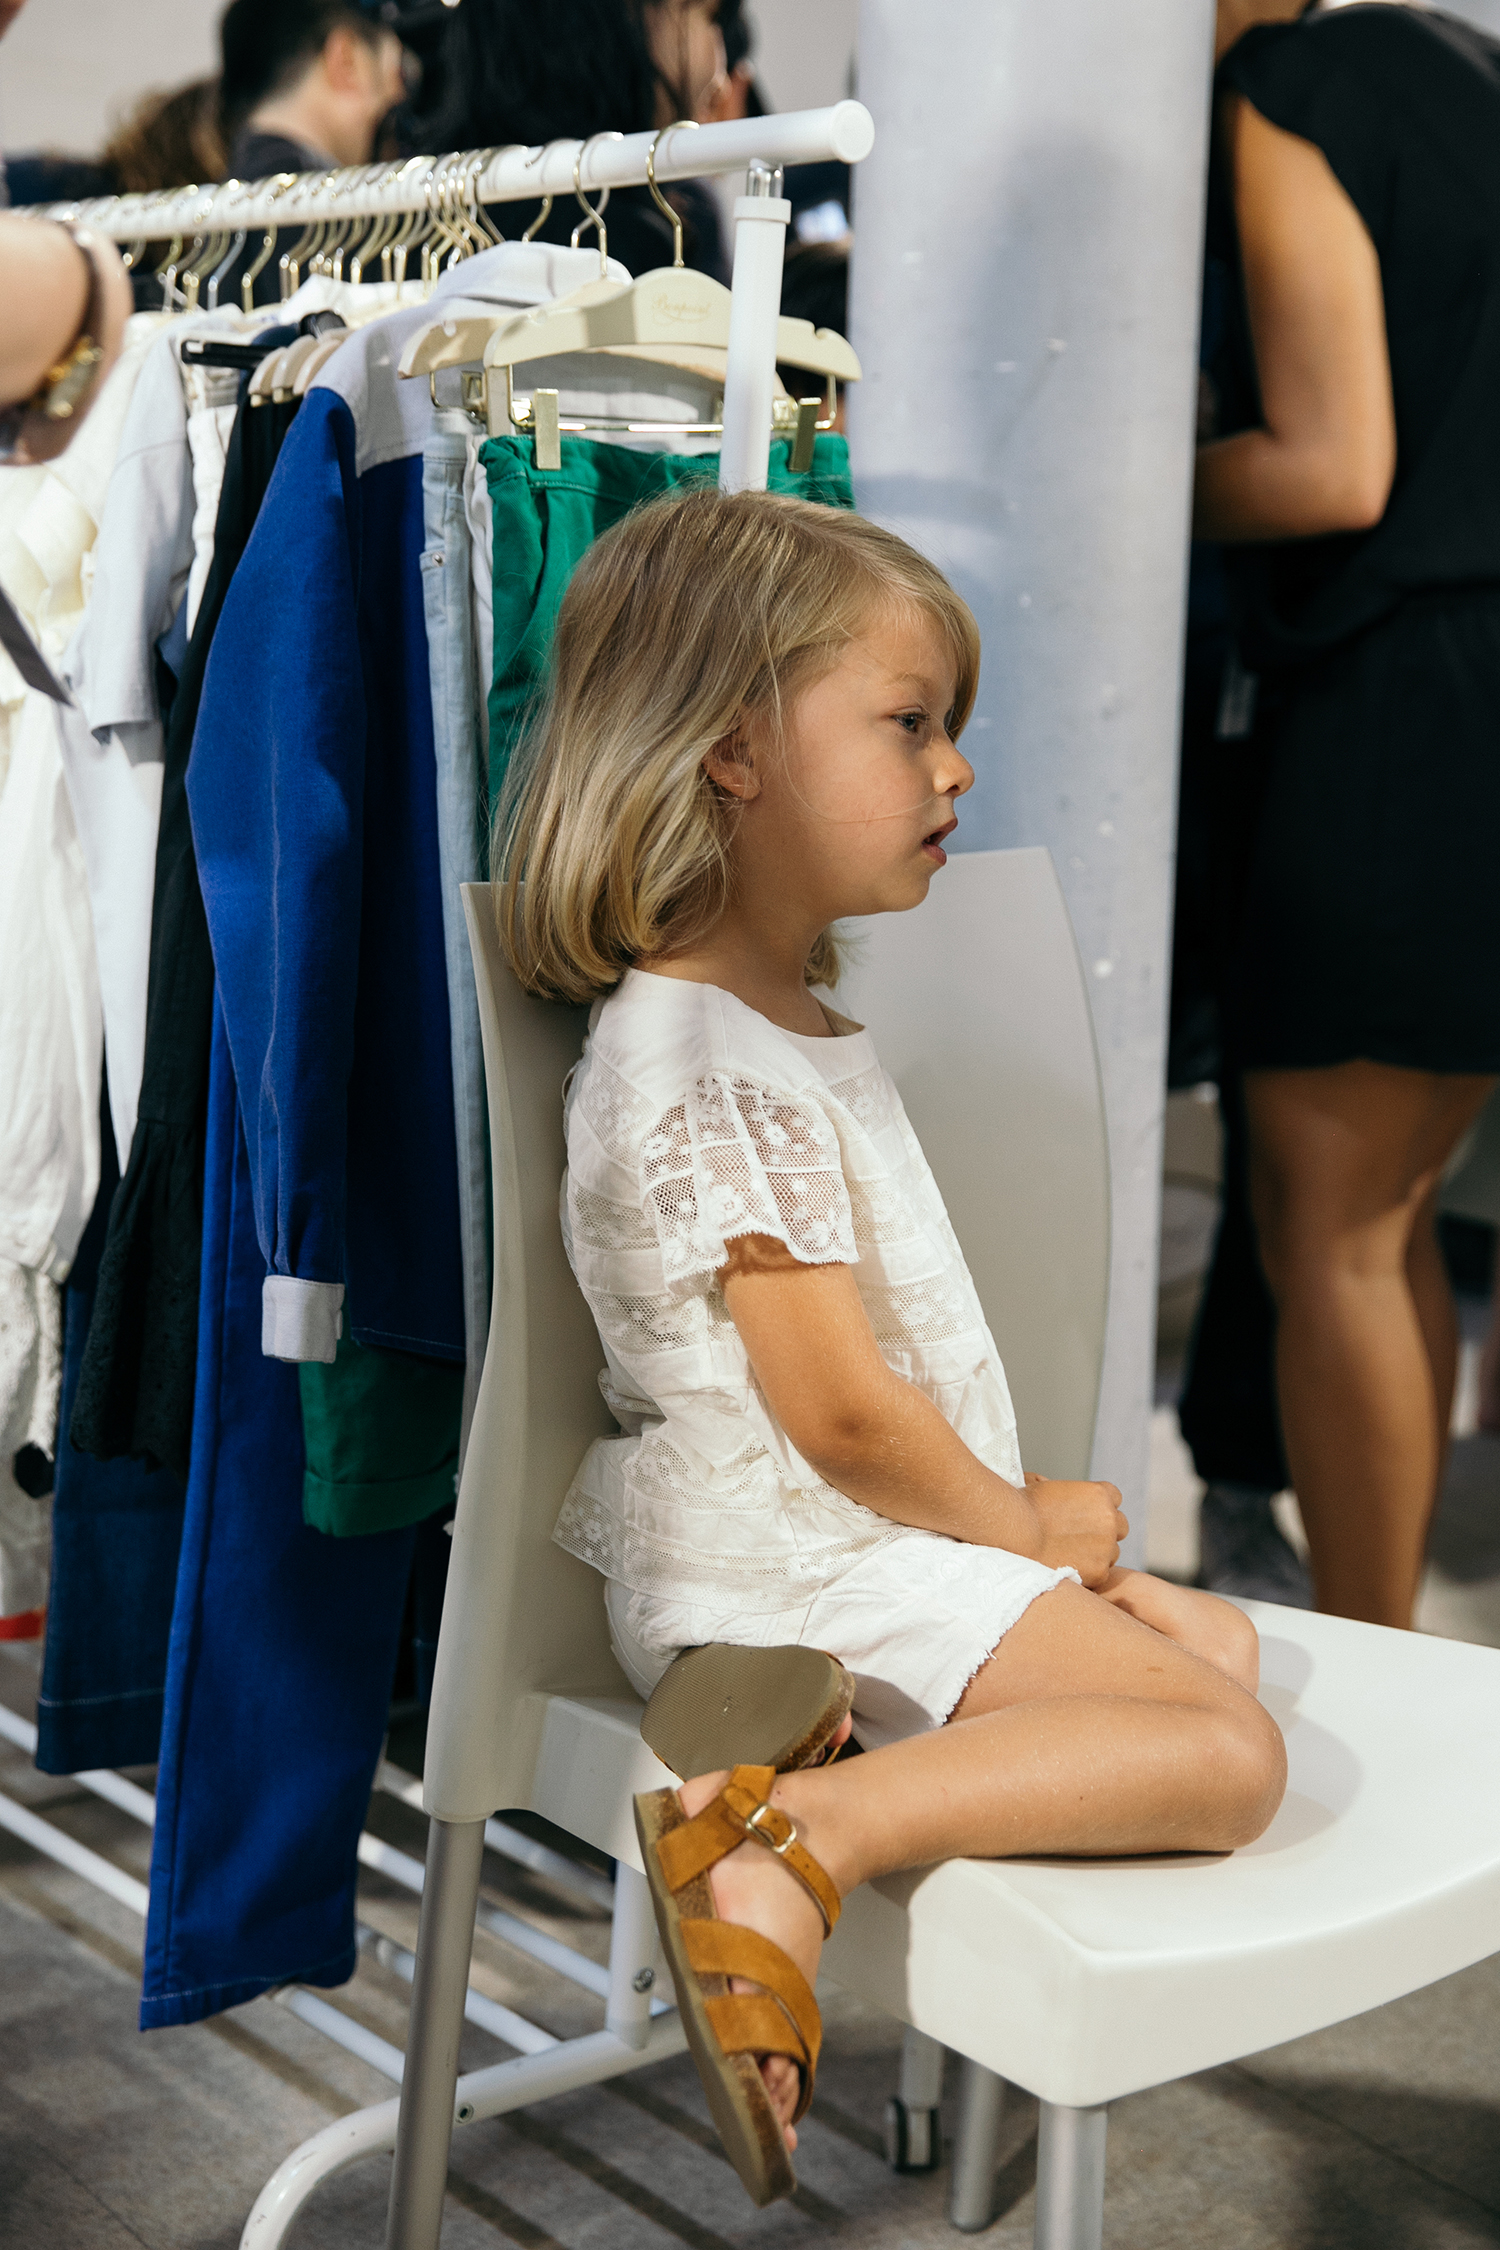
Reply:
x=879, y=1440
x=1325, y=459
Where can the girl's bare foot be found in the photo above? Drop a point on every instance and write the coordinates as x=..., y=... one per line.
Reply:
x=751, y=1886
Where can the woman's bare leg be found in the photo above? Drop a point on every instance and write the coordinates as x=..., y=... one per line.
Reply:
x=1342, y=1163
x=1086, y=1732
x=1437, y=1317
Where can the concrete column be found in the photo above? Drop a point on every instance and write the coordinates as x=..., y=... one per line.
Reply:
x=1025, y=298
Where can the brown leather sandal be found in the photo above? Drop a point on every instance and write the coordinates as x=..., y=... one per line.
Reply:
x=728, y=2032
x=724, y=1705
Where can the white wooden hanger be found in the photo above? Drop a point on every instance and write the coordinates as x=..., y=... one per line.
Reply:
x=672, y=316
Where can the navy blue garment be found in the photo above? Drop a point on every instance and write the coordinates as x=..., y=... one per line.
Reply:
x=330, y=1161
x=313, y=795
x=116, y=1529
x=283, y=1652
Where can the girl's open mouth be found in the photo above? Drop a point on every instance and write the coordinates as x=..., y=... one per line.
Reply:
x=933, y=845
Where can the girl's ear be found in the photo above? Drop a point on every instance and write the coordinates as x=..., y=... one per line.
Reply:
x=730, y=765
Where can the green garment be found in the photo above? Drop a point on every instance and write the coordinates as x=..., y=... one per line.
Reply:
x=381, y=1427
x=545, y=519
x=381, y=1433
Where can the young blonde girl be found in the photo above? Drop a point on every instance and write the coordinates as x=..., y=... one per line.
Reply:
x=751, y=735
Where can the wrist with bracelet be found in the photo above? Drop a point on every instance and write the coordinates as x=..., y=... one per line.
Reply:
x=37, y=427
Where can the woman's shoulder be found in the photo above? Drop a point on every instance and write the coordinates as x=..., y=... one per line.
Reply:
x=1374, y=48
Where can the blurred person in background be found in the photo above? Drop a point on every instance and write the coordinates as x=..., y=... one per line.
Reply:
x=1227, y=1410
x=305, y=84
x=168, y=140
x=511, y=73
x=815, y=287
x=1355, y=485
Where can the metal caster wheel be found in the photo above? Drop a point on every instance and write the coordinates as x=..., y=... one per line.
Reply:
x=913, y=2137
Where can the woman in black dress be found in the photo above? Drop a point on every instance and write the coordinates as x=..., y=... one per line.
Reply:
x=1358, y=156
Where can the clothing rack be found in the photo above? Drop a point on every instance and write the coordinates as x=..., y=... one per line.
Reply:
x=844, y=133
x=448, y=186
x=640, y=2026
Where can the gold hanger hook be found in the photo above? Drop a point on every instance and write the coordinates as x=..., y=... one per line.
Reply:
x=595, y=211
x=689, y=124
x=147, y=205
x=484, y=226
x=281, y=182
x=379, y=227
x=539, y=156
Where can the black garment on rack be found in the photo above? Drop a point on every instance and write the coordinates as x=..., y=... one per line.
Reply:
x=116, y=1535
x=135, y=1388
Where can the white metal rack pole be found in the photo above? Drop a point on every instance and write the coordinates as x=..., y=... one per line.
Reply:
x=845, y=133
x=760, y=223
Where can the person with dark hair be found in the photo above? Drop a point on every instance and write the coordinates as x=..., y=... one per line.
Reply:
x=169, y=140
x=306, y=83
x=507, y=74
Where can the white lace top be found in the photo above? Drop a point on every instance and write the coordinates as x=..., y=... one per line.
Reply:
x=692, y=1119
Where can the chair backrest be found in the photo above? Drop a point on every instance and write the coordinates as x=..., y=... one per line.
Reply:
x=521, y=1619
x=980, y=1012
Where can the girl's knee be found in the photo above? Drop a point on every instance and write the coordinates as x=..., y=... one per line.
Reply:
x=1250, y=1773
x=1227, y=1640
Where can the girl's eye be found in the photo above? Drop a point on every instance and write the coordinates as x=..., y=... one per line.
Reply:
x=913, y=721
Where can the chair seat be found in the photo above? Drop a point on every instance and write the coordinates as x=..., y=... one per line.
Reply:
x=590, y=1765
x=1084, y=1981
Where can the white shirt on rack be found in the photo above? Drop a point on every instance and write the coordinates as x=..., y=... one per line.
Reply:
x=692, y=1119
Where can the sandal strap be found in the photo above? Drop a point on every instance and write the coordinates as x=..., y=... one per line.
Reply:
x=781, y=2019
x=742, y=1810
x=750, y=2023
x=730, y=1949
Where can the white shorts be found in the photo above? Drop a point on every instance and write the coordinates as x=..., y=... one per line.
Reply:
x=913, y=1622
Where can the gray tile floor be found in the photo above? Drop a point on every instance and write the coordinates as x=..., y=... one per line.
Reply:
x=1380, y=2134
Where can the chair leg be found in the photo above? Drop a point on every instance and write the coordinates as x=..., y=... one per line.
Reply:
x=971, y=2189
x=1070, y=2178
x=445, y=1940
x=913, y=2125
x=634, y=1956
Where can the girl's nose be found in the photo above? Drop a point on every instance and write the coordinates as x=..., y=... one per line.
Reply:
x=955, y=775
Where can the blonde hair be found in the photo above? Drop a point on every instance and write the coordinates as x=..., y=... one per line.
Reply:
x=695, y=612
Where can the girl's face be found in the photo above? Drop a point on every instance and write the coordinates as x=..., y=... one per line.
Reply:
x=852, y=810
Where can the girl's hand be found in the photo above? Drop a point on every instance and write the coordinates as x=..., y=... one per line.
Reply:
x=1079, y=1526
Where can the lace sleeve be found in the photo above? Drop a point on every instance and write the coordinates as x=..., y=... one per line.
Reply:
x=736, y=1157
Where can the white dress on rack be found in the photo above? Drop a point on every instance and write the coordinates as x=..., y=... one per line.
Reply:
x=50, y=1026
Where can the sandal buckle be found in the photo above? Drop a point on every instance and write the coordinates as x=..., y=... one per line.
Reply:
x=753, y=1822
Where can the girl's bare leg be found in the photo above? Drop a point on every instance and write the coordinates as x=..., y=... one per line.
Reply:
x=1086, y=1732
x=1343, y=1162
x=1201, y=1623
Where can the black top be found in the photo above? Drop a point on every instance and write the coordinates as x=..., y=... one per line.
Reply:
x=135, y=1386
x=255, y=155
x=1405, y=105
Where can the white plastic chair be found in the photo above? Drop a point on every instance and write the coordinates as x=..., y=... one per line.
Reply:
x=1078, y=1981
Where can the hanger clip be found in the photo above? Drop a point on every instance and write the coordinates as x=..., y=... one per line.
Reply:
x=548, y=435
